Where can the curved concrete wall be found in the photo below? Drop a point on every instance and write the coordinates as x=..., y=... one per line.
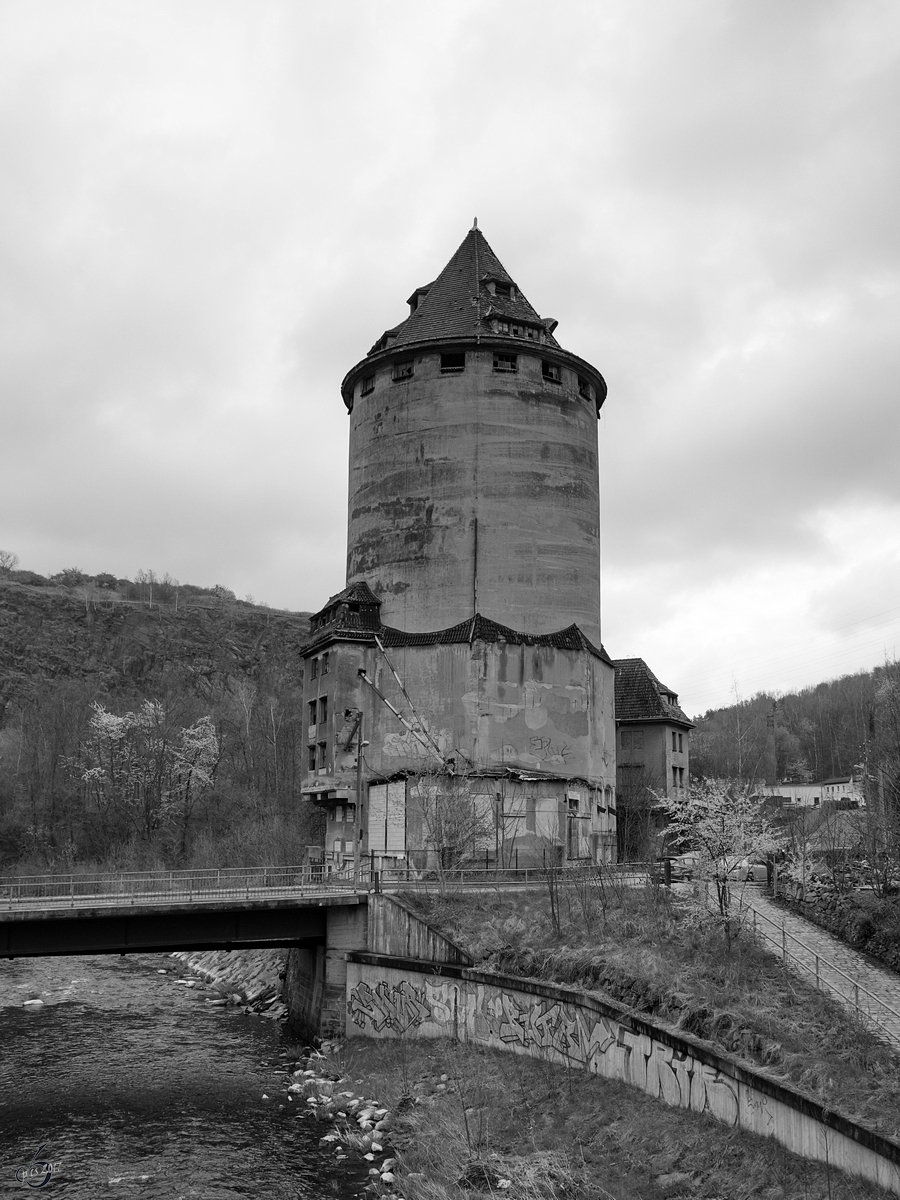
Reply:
x=395, y=997
x=476, y=491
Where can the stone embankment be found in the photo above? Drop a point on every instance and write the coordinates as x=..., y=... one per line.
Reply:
x=253, y=980
x=357, y=1124
x=248, y=979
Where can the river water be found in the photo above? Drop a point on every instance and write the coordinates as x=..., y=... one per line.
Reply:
x=131, y=1084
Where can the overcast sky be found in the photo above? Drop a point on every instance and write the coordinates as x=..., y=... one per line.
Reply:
x=209, y=212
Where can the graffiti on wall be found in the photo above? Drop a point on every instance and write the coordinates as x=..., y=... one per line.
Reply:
x=397, y=1008
x=543, y=1027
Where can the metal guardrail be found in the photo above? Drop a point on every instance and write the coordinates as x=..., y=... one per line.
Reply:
x=156, y=887
x=74, y=890
x=868, y=1006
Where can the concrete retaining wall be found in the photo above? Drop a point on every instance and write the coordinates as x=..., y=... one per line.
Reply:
x=391, y=997
x=395, y=929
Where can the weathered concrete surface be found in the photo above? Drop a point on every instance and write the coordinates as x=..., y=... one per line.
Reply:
x=393, y=997
x=477, y=492
x=396, y=930
x=533, y=707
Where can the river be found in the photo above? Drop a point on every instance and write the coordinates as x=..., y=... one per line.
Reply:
x=130, y=1084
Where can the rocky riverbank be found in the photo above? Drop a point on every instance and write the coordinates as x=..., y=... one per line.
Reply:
x=356, y=1124
x=248, y=979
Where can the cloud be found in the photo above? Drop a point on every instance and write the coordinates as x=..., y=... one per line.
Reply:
x=212, y=210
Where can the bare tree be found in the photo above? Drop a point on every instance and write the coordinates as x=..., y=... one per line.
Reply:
x=455, y=819
x=8, y=561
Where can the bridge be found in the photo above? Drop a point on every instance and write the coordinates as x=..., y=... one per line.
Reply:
x=148, y=911
x=318, y=918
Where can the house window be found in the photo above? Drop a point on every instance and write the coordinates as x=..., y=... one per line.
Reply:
x=323, y=709
x=453, y=363
x=680, y=743
x=681, y=777
x=674, y=777
x=339, y=814
x=311, y=758
x=674, y=740
x=584, y=388
x=551, y=372
x=506, y=363
x=403, y=370
x=368, y=385
x=312, y=712
x=325, y=663
x=321, y=752
x=314, y=668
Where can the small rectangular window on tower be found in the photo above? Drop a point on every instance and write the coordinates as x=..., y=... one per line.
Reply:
x=314, y=668
x=551, y=372
x=584, y=388
x=368, y=385
x=403, y=370
x=325, y=663
x=506, y=363
x=453, y=362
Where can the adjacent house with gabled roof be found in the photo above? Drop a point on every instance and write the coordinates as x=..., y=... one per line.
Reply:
x=652, y=753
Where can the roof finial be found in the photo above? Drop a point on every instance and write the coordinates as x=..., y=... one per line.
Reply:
x=474, y=222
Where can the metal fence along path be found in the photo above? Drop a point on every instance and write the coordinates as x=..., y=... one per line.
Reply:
x=872, y=993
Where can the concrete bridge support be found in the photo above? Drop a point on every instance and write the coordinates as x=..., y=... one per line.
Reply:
x=315, y=983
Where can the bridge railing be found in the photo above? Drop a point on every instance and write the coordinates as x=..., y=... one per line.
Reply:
x=75, y=889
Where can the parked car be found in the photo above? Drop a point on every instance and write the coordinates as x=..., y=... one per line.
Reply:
x=685, y=866
x=750, y=870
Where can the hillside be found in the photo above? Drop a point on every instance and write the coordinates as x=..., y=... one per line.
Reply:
x=202, y=661
x=828, y=730
x=130, y=647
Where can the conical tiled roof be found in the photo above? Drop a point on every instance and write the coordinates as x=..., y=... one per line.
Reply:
x=464, y=301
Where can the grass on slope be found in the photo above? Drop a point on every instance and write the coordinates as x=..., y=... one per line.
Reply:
x=664, y=956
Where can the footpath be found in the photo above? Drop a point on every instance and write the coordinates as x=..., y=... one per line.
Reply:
x=852, y=978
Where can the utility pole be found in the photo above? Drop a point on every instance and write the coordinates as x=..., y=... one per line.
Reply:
x=358, y=823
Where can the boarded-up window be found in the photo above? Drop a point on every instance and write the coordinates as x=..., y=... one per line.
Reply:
x=387, y=818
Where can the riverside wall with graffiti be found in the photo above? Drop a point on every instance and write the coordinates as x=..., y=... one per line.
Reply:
x=389, y=997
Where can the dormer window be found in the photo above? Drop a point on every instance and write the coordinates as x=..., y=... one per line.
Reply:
x=504, y=290
x=403, y=370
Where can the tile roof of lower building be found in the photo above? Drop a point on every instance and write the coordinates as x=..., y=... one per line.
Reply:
x=482, y=629
x=641, y=697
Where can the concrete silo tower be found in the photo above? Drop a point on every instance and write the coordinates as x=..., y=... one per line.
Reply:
x=467, y=640
x=473, y=460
